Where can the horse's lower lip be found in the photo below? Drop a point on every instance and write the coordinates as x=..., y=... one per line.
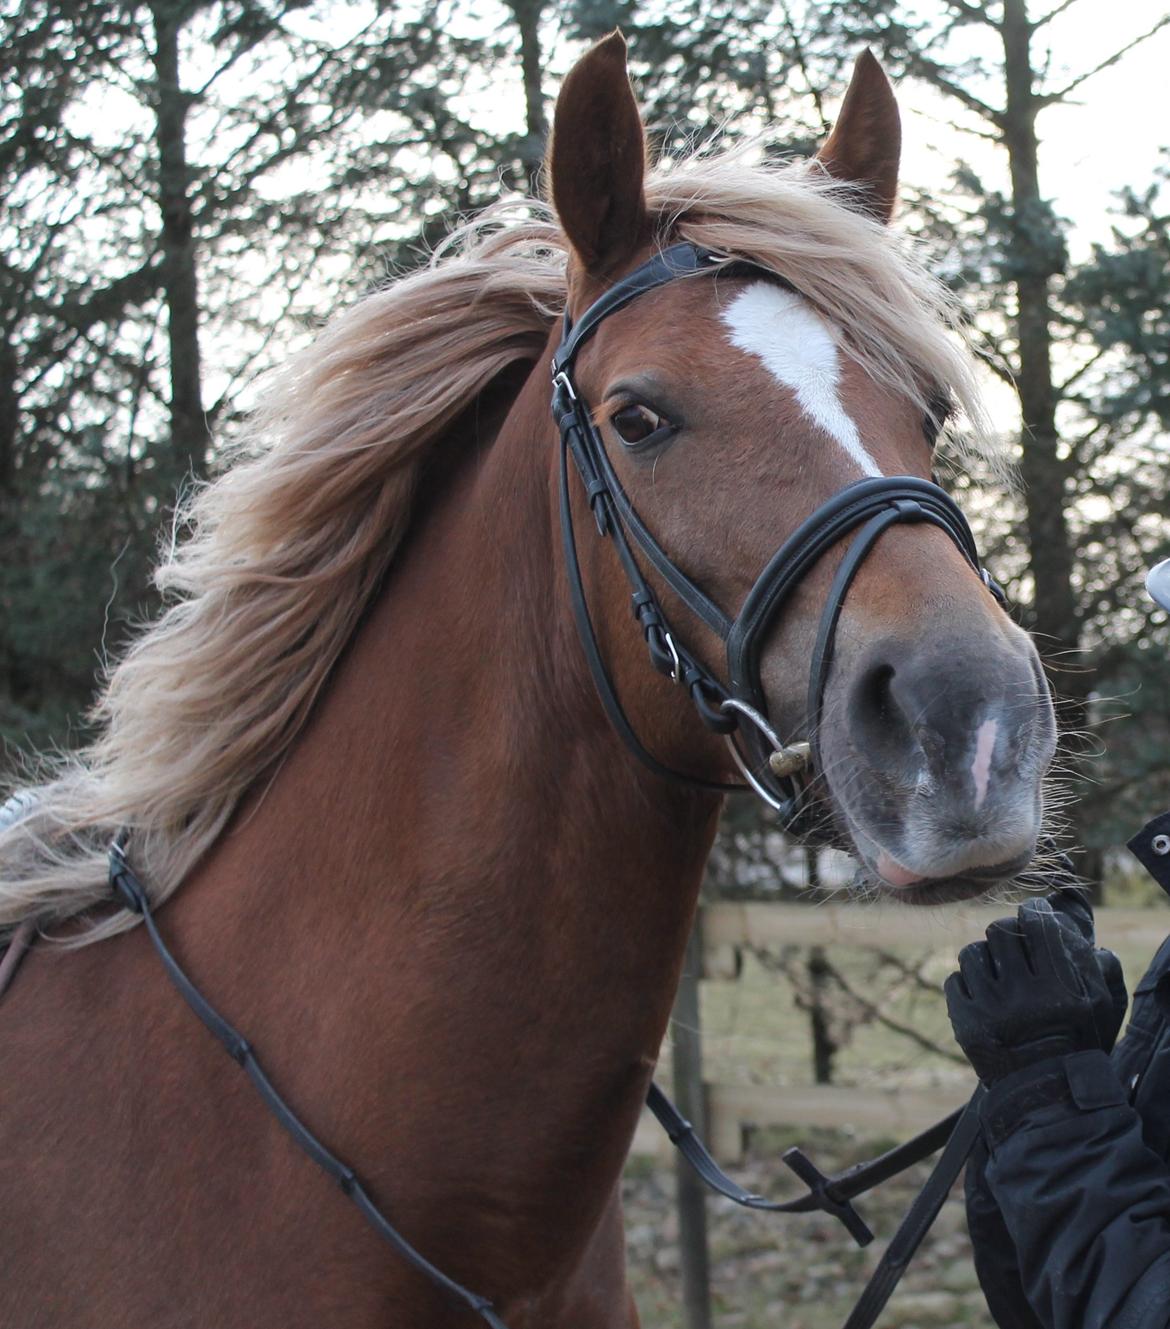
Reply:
x=959, y=886
x=893, y=873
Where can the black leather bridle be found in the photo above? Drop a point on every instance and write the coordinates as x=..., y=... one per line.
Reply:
x=735, y=706
x=868, y=508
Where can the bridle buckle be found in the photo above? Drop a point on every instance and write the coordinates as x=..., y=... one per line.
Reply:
x=676, y=667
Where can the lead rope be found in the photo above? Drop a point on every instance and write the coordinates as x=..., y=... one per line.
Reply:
x=129, y=889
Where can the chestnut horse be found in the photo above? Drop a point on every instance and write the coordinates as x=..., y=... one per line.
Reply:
x=419, y=868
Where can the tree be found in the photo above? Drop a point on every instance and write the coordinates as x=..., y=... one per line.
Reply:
x=180, y=177
x=986, y=58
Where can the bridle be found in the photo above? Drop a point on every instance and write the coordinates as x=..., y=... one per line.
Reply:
x=776, y=771
x=779, y=773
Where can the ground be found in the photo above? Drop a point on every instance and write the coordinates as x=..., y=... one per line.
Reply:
x=797, y=1272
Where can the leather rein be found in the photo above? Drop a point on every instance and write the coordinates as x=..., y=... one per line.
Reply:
x=732, y=708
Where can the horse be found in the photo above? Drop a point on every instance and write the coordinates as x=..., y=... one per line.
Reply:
x=362, y=760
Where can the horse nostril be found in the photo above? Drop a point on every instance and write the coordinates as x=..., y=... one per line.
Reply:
x=879, y=699
x=880, y=725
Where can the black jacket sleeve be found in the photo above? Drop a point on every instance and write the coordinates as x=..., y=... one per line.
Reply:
x=1086, y=1202
x=994, y=1252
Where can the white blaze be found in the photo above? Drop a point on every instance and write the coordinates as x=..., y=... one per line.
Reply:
x=783, y=330
x=981, y=766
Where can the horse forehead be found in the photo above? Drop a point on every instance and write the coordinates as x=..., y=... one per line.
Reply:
x=799, y=348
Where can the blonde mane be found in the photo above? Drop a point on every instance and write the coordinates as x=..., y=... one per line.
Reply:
x=282, y=553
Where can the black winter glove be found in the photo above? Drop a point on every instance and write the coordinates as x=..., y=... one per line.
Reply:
x=1072, y=907
x=1035, y=989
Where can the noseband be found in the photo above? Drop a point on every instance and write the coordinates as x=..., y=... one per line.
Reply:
x=778, y=773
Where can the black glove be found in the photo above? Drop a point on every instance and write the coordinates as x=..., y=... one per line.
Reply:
x=1034, y=989
x=1072, y=907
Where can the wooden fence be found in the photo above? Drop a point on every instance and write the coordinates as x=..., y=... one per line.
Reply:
x=722, y=1113
x=725, y=930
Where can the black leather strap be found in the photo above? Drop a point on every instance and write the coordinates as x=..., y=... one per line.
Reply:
x=829, y=1194
x=131, y=893
x=921, y=1214
x=906, y=498
x=644, y=597
x=681, y=260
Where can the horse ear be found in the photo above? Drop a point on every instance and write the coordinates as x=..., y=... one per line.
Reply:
x=598, y=159
x=866, y=141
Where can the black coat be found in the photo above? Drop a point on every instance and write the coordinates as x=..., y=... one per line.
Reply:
x=1069, y=1199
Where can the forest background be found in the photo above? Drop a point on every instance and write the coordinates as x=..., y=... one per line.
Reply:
x=189, y=187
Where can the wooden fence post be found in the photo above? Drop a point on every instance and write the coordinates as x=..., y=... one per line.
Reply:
x=687, y=1063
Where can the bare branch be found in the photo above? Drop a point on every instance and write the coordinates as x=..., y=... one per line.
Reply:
x=975, y=13
x=1063, y=389
x=1050, y=98
x=875, y=1012
x=936, y=75
x=1052, y=13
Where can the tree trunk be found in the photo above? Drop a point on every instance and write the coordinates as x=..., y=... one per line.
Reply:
x=527, y=14
x=189, y=433
x=9, y=415
x=1038, y=257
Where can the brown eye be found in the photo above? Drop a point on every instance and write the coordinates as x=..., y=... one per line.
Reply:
x=635, y=423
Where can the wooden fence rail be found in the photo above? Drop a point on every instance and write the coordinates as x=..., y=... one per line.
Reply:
x=725, y=929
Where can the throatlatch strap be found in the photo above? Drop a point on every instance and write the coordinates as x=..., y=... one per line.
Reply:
x=129, y=889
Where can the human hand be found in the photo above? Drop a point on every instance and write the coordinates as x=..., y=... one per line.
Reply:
x=1035, y=988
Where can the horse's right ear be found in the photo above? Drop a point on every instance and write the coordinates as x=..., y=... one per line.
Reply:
x=597, y=160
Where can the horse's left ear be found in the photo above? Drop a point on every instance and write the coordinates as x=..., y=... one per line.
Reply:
x=597, y=161
x=866, y=141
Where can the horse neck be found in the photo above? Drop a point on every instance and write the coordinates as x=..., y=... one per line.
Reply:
x=458, y=846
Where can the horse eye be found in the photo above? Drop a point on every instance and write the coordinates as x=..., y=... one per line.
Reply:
x=636, y=423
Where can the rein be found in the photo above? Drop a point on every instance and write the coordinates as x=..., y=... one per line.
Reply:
x=832, y=1195
x=130, y=893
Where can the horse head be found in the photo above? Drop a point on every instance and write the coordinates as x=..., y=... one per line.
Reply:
x=735, y=405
